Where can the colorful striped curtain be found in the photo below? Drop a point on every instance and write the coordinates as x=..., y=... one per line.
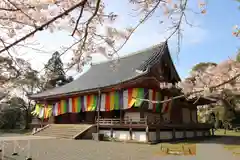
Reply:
x=45, y=112
x=103, y=102
x=56, y=109
x=70, y=105
x=63, y=106
x=41, y=113
x=141, y=92
x=134, y=97
x=111, y=101
x=36, y=110
x=91, y=103
x=77, y=104
x=125, y=100
x=167, y=105
x=155, y=96
x=118, y=100
x=158, y=106
x=132, y=94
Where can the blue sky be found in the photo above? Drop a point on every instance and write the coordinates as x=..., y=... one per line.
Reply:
x=211, y=40
x=219, y=44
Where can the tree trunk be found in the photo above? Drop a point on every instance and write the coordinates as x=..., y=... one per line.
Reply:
x=228, y=111
x=27, y=118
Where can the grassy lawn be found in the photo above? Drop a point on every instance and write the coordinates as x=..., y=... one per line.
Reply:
x=177, y=148
x=220, y=132
x=235, y=148
x=185, y=146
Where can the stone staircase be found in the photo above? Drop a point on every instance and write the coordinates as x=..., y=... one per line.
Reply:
x=67, y=131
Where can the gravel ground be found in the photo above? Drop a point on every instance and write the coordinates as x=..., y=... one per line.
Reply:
x=56, y=149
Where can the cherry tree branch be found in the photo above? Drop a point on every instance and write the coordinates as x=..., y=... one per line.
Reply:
x=40, y=28
x=79, y=17
x=21, y=11
x=89, y=21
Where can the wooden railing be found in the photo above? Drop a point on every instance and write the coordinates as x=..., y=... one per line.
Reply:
x=146, y=121
x=115, y=121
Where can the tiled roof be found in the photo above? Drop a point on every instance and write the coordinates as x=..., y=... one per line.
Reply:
x=103, y=75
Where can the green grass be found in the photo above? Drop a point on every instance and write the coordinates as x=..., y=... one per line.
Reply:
x=235, y=148
x=182, y=147
x=220, y=132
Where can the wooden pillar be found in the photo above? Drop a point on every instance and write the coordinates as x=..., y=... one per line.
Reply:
x=195, y=133
x=184, y=133
x=158, y=134
x=130, y=129
x=120, y=116
x=174, y=134
x=121, y=106
x=147, y=134
x=51, y=120
x=111, y=132
x=191, y=120
x=196, y=116
x=98, y=112
x=212, y=131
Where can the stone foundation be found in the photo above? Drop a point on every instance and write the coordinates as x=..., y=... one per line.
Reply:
x=141, y=136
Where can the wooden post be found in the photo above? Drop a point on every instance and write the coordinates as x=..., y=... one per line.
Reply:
x=157, y=134
x=195, y=133
x=147, y=134
x=121, y=107
x=111, y=134
x=98, y=113
x=130, y=129
x=191, y=118
x=212, y=131
x=184, y=133
x=174, y=134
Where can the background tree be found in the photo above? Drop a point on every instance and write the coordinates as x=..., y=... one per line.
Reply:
x=220, y=82
x=238, y=56
x=201, y=67
x=11, y=114
x=23, y=81
x=54, y=72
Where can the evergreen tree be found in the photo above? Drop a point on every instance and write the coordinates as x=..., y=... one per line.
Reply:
x=54, y=73
x=201, y=67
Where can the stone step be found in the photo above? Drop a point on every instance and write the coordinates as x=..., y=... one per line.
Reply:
x=58, y=136
x=54, y=130
x=62, y=131
x=57, y=133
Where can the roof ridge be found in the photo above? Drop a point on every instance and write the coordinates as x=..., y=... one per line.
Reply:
x=131, y=54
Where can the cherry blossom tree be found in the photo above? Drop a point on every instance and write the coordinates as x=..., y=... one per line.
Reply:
x=87, y=22
x=214, y=80
x=219, y=82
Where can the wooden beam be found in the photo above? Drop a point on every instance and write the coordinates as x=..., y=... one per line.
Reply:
x=98, y=112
